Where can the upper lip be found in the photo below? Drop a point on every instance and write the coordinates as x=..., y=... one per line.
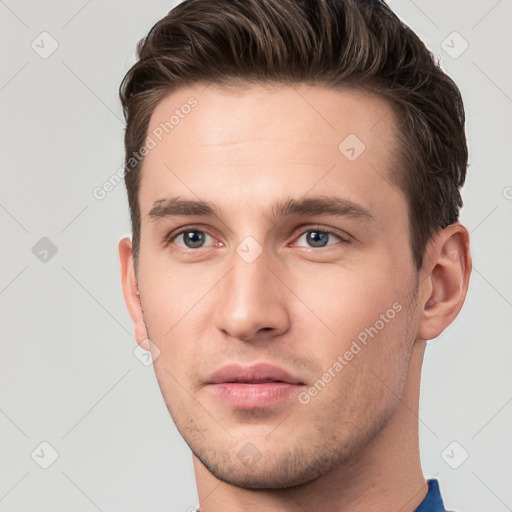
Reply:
x=254, y=374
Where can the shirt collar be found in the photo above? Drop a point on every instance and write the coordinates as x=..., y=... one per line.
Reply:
x=433, y=501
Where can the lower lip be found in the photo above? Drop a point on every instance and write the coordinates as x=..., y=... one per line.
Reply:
x=253, y=396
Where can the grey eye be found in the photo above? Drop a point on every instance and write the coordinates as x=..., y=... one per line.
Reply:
x=192, y=239
x=317, y=238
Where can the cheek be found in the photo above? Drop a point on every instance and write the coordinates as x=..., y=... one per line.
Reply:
x=369, y=370
x=348, y=301
x=169, y=297
x=362, y=321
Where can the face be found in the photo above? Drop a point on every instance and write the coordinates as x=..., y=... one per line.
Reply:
x=276, y=277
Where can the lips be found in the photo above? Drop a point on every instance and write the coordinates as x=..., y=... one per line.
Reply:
x=252, y=387
x=255, y=374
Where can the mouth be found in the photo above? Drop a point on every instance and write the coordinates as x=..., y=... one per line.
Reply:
x=251, y=387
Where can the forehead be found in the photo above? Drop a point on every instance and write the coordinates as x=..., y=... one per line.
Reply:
x=232, y=115
x=256, y=141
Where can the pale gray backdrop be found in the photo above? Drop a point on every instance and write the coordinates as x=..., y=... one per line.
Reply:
x=68, y=375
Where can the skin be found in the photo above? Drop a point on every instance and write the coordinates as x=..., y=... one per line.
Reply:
x=355, y=443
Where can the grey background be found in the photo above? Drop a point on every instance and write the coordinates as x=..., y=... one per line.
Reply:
x=68, y=374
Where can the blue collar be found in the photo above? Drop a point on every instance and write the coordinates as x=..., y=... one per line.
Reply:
x=433, y=501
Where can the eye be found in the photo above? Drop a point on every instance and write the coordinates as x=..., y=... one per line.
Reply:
x=190, y=238
x=318, y=238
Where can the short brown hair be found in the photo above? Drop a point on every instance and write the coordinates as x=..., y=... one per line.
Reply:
x=357, y=44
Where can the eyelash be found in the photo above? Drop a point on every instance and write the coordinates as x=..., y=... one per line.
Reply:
x=299, y=232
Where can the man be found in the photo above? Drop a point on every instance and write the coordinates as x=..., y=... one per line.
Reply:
x=293, y=172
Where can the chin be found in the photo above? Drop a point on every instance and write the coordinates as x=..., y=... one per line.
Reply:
x=248, y=478
x=282, y=471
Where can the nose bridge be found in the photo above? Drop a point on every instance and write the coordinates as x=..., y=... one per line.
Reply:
x=251, y=298
x=250, y=272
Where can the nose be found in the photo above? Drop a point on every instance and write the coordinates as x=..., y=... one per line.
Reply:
x=251, y=300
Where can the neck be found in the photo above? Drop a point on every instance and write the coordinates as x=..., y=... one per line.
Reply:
x=385, y=476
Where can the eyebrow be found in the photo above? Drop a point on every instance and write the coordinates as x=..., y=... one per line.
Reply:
x=320, y=205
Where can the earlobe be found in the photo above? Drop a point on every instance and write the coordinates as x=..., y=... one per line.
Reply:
x=131, y=292
x=444, y=281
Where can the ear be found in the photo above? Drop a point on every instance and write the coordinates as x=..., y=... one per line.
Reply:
x=444, y=280
x=130, y=292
